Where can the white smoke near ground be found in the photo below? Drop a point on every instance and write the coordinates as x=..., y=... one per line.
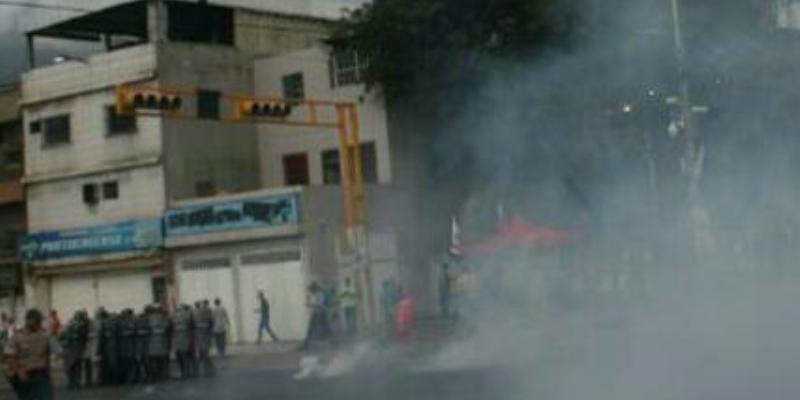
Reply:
x=643, y=304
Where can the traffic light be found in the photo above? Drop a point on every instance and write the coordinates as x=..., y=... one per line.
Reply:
x=129, y=100
x=264, y=108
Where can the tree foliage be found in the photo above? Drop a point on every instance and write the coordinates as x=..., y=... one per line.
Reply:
x=435, y=47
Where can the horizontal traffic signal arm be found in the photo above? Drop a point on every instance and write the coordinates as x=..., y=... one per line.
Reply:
x=173, y=103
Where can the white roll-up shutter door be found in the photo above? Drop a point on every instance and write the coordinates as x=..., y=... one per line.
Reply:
x=280, y=276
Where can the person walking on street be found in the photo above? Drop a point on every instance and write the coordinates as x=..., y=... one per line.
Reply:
x=264, y=315
x=221, y=325
x=28, y=355
x=182, y=339
x=348, y=300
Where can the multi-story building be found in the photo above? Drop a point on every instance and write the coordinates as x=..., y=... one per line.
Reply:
x=12, y=199
x=299, y=238
x=99, y=182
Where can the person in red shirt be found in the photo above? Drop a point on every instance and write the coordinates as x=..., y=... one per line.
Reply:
x=404, y=315
x=55, y=323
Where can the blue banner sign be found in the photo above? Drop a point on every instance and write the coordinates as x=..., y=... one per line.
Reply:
x=236, y=214
x=114, y=238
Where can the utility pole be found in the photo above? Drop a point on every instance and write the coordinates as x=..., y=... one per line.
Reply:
x=692, y=162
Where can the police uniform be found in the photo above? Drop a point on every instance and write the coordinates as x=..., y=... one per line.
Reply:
x=90, y=352
x=182, y=340
x=109, y=350
x=159, y=345
x=142, y=369
x=127, y=346
x=202, y=338
x=74, y=344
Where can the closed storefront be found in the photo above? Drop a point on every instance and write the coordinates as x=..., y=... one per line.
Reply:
x=280, y=276
x=231, y=248
x=114, y=291
x=115, y=266
x=207, y=278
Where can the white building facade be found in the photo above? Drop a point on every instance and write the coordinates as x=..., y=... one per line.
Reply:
x=98, y=183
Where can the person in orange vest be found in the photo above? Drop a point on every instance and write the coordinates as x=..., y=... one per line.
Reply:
x=404, y=316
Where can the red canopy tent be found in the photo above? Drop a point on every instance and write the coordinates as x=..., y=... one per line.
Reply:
x=518, y=232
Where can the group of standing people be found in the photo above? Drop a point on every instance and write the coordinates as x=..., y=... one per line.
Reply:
x=327, y=307
x=113, y=348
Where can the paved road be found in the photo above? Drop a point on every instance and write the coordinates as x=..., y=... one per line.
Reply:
x=252, y=378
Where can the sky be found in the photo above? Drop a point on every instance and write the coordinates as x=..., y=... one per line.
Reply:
x=14, y=21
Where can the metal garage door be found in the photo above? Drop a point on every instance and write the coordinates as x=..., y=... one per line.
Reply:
x=71, y=293
x=118, y=291
x=208, y=279
x=280, y=276
x=113, y=291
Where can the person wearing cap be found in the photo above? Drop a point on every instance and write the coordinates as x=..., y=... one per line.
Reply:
x=28, y=355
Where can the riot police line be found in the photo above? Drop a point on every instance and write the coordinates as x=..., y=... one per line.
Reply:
x=133, y=348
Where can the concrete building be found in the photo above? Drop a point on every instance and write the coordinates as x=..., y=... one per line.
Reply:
x=98, y=183
x=12, y=199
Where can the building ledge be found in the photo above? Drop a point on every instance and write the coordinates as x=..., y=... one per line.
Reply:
x=233, y=236
x=142, y=261
x=117, y=166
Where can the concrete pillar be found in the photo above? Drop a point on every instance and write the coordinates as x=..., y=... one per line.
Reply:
x=156, y=21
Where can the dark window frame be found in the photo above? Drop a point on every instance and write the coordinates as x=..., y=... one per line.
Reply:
x=208, y=104
x=349, y=67
x=293, y=86
x=91, y=195
x=331, y=167
x=119, y=125
x=301, y=177
x=110, y=190
x=53, y=139
x=369, y=164
x=35, y=127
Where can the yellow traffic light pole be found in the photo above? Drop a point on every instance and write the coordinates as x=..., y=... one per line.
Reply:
x=167, y=102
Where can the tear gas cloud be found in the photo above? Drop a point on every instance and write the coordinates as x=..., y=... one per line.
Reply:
x=661, y=295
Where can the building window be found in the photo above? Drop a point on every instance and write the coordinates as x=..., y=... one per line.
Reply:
x=348, y=68
x=293, y=86
x=56, y=130
x=204, y=189
x=117, y=124
x=110, y=190
x=13, y=158
x=208, y=104
x=159, y=285
x=35, y=127
x=90, y=194
x=295, y=169
x=331, y=170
